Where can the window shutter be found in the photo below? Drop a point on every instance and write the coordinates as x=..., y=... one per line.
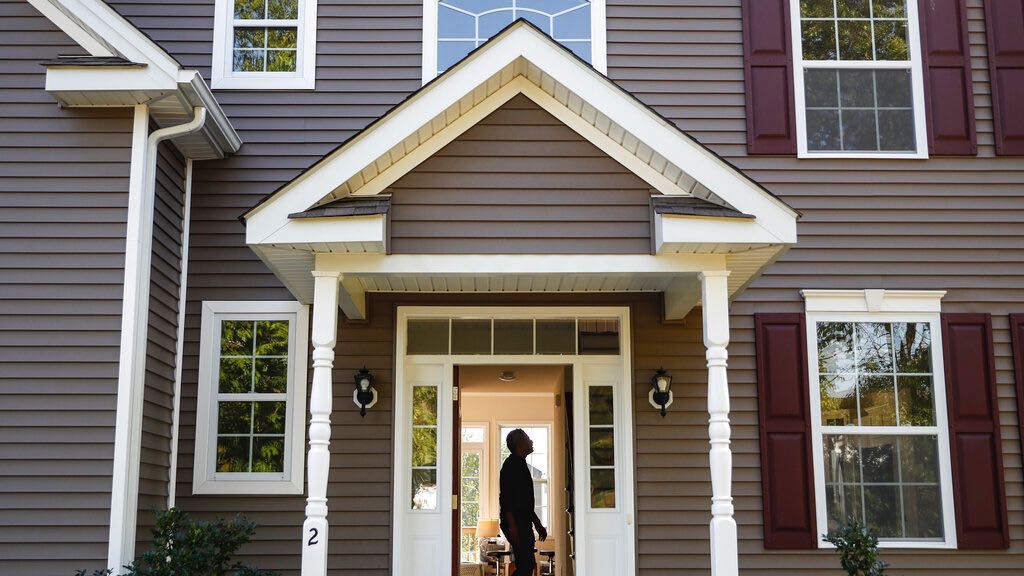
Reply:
x=783, y=397
x=1005, y=24
x=768, y=69
x=949, y=91
x=1017, y=337
x=975, y=444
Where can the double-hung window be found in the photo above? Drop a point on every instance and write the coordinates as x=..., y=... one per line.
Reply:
x=859, y=87
x=264, y=44
x=252, y=395
x=879, y=420
x=454, y=28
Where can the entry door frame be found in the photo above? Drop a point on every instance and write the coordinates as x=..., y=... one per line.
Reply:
x=401, y=481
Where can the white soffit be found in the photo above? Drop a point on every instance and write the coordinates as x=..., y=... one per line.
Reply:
x=523, y=60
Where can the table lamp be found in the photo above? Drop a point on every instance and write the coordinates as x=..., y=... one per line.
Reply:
x=487, y=528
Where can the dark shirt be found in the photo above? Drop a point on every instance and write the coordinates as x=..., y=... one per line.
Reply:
x=516, y=494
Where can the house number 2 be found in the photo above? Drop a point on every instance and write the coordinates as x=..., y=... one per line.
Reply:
x=312, y=538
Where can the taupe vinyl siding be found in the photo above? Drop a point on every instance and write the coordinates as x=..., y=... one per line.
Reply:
x=522, y=182
x=63, y=199
x=944, y=223
x=158, y=397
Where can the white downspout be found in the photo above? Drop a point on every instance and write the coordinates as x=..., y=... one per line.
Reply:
x=124, y=494
x=179, y=342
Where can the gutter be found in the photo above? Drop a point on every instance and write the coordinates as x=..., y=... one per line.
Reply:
x=134, y=330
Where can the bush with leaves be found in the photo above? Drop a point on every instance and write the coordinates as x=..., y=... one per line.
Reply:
x=184, y=547
x=858, y=550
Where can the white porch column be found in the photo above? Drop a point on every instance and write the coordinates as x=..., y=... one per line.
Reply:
x=715, y=295
x=325, y=330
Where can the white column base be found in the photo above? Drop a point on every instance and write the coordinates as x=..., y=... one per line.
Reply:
x=314, y=547
x=724, y=551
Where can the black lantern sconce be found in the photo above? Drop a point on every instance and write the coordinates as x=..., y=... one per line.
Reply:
x=661, y=391
x=365, y=395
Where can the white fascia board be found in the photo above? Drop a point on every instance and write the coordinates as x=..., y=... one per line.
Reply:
x=74, y=28
x=308, y=188
x=680, y=229
x=103, y=79
x=874, y=300
x=700, y=163
x=105, y=23
x=357, y=229
x=504, y=264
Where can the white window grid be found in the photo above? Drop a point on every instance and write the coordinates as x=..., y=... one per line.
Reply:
x=940, y=430
x=206, y=479
x=598, y=34
x=436, y=428
x=223, y=75
x=913, y=64
x=591, y=427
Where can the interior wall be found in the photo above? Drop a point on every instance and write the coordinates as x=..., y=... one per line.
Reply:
x=535, y=398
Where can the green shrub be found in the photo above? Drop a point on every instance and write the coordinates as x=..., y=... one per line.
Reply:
x=185, y=547
x=858, y=550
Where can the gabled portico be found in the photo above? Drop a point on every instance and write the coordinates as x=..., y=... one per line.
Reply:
x=712, y=231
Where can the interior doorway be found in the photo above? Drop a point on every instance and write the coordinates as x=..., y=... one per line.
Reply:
x=494, y=400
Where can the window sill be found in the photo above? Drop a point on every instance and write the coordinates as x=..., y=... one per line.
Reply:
x=804, y=155
x=249, y=487
x=890, y=545
x=264, y=83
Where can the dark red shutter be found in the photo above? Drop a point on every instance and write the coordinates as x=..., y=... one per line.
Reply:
x=768, y=68
x=1005, y=26
x=1017, y=337
x=974, y=440
x=949, y=91
x=783, y=397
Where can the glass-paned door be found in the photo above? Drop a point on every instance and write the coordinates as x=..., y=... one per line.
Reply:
x=472, y=460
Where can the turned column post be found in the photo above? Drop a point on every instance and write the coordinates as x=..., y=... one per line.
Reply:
x=715, y=297
x=324, y=336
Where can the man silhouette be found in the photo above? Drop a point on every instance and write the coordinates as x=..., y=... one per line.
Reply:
x=516, y=502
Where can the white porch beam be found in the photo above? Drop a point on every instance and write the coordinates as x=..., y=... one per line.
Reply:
x=724, y=548
x=324, y=337
x=352, y=299
x=504, y=264
x=681, y=296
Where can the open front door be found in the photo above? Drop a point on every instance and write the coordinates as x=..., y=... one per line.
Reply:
x=456, y=474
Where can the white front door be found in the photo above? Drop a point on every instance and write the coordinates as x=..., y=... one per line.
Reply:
x=424, y=448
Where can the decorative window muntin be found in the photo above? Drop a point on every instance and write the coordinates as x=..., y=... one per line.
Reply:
x=424, y=456
x=264, y=44
x=879, y=428
x=513, y=336
x=859, y=89
x=601, y=447
x=250, y=429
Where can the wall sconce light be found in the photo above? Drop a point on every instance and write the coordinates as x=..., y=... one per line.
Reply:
x=661, y=391
x=365, y=395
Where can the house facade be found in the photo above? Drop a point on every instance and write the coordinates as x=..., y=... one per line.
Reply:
x=310, y=260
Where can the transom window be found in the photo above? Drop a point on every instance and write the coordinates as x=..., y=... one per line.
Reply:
x=264, y=44
x=858, y=78
x=249, y=429
x=463, y=25
x=882, y=450
x=512, y=336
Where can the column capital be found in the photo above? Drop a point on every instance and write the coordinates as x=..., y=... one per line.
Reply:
x=713, y=274
x=326, y=274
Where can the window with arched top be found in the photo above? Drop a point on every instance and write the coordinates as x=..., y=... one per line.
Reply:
x=454, y=28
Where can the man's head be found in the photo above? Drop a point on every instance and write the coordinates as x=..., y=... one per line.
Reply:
x=519, y=443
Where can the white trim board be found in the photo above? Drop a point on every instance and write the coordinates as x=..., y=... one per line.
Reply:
x=915, y=65
x=903, y=306
x=205, y=479
x=553, y=65
x=444, y=365
x=304, y=78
